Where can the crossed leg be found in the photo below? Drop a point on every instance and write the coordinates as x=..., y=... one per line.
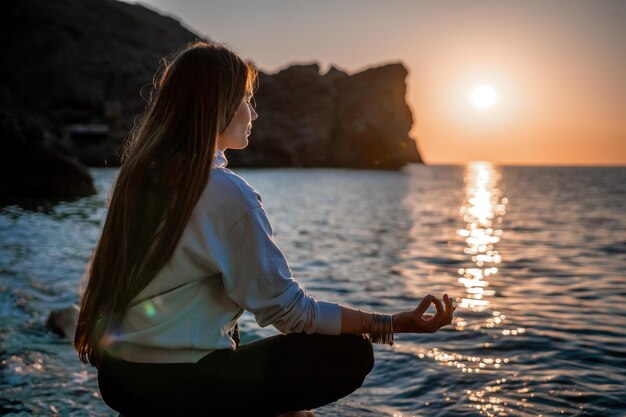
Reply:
x=268, y=377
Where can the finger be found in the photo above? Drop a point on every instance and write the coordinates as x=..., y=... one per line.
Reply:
x=449, y=305
x=441, y=312
x=423, y=305
x=449, y=309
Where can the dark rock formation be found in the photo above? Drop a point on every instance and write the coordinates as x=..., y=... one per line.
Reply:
x=372, y=119
x=295, y=120
x=63, y=322
x=76, y=69
x=335, y=120
x=69, y=62
x=33, y=169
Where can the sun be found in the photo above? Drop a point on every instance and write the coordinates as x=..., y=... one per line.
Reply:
x=483, y=96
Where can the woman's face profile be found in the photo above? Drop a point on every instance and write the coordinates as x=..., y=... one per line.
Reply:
x=236, y=134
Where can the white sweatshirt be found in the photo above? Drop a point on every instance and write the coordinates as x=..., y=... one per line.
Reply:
x=226, y=262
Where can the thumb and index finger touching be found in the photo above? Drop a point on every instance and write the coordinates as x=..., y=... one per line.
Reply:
x=423, y=305
x=441, y=310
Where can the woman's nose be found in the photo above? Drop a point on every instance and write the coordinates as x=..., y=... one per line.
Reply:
x=254, y=114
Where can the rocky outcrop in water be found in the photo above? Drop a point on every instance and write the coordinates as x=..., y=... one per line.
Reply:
x=34, y=169
x=76, y=68
x=63, y=322
x=334, y=120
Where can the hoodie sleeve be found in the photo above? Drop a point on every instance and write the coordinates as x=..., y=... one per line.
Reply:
x=257, y=277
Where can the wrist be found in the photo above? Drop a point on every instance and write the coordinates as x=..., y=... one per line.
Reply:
x=397, y=323
x=381, y=330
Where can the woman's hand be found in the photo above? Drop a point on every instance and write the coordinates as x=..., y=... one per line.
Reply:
x=417, y=322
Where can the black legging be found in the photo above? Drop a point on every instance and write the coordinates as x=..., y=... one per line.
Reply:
x=286, y=372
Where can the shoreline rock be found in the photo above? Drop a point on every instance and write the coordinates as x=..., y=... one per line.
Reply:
x=34, y=170
x=63, y=322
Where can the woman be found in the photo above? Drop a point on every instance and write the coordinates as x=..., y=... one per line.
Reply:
x=186, y=248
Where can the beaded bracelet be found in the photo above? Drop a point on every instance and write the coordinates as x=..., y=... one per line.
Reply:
x=381, y=329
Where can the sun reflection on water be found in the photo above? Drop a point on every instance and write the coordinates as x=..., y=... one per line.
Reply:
x=482, y=212
x=485, y=369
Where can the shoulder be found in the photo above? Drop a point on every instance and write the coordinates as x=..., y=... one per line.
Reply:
x=229, y=194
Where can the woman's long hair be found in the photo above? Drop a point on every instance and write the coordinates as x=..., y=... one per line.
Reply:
x=165, y=167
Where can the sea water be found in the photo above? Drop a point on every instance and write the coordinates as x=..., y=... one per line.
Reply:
x=534, y=256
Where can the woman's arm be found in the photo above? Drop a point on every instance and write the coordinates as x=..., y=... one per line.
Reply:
x=351, y=321
x=256, y=276
x=415, y=321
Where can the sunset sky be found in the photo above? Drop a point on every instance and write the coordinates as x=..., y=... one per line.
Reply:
x=513, y=82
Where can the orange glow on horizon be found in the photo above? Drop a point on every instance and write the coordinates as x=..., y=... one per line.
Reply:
x=557, y=77
x=535, y=117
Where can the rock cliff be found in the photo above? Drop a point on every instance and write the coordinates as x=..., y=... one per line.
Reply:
x=82, y=62
x=332, y=120
x=76, y=68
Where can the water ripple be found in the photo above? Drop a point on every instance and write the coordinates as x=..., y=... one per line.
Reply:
x=534, y=257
